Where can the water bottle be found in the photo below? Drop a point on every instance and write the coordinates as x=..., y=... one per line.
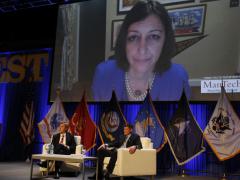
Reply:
x=83, y=151
x=51, y=148
x=46, y=149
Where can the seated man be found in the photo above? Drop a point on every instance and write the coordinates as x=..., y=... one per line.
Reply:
x=63, y=143
x=130, y=140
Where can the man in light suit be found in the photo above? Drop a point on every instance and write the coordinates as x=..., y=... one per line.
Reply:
x=130, y=140
x=63, y=143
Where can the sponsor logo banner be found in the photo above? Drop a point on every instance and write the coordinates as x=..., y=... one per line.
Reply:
x=214, y=85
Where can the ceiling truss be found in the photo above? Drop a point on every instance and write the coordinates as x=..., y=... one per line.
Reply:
x=14, y=5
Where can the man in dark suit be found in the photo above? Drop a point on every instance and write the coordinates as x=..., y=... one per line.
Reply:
x=63, y=143
x=130, y=140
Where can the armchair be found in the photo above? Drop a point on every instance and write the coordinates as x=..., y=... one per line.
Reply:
x=66, y=166
x=141, y=163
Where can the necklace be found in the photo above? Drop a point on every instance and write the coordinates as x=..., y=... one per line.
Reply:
x=137, y=95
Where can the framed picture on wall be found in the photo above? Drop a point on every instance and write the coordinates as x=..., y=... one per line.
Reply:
x=207, y=0
x=125, y=5
x=172, y=2
x=116, y=25
x=188, y=21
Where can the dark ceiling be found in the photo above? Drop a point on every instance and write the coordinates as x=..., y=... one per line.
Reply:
x=28, y=24
x=14, y=5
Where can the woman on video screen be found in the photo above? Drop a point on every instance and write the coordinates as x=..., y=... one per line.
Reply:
x=142, y=60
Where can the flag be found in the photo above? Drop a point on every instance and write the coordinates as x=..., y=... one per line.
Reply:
x=147, y=124
x=49, y=125
x=184, y=44
x=223, y=129
x=82, y=125
x=112, y=121
x=26, y=127
x=184, y=135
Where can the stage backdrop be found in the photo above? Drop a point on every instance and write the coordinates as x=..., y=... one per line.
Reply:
x=24, y=82
x=24, y=93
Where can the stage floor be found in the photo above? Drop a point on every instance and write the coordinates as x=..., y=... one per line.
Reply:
x=21, y=171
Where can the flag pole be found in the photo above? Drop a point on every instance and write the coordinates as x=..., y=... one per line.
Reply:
x=222, y=93
x=224, y=177
x=148, y=121
x=185, y=135
x=182, y=171
x=58, y=92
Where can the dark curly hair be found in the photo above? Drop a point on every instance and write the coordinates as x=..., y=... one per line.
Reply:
x=140, y=11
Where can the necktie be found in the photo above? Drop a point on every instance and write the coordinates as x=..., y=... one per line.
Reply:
x=62, y=137
x=125, y=141
x=124, y=145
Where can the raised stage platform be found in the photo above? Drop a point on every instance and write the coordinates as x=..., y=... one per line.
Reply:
x=21, y=171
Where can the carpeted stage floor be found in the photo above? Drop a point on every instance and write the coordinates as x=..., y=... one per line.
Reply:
x=21, y=171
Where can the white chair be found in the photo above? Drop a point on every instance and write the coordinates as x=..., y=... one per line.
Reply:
x=141, y=163
x=66, y=166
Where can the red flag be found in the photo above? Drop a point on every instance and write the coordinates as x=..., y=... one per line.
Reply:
x=82, y=125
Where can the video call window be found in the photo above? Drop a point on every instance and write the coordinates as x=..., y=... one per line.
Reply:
x=86, y=57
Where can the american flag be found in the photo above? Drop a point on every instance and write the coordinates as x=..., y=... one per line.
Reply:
x=26, y=126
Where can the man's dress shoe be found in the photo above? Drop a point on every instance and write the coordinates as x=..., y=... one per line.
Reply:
x=106, y=176
x=100, y=176
x=42, y=164
x=57, y=176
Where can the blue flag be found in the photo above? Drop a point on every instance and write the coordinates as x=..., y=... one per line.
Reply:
x=147, y=124
x=112, y=121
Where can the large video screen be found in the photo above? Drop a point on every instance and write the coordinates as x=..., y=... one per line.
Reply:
x=88, y=58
